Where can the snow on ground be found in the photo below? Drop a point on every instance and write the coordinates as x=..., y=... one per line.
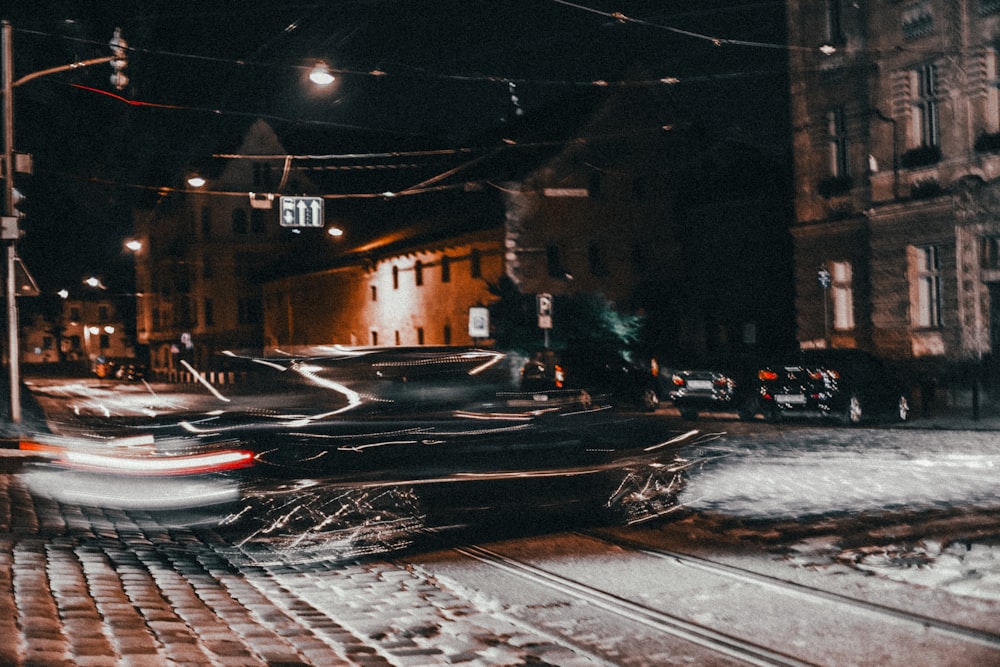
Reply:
x=917, y=506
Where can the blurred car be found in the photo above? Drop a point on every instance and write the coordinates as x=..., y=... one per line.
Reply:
x=600, y=373
x=850, y=386
x=362, y=451
x=719, y=384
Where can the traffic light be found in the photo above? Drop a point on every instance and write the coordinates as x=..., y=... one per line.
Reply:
x=118, y=45
x=10, y=229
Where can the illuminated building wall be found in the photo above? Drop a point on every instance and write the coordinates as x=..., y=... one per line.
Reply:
x=896, y=139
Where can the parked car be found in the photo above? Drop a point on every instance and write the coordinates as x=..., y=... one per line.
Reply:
x=724, y=383
x=600, y=373
x=848, y=385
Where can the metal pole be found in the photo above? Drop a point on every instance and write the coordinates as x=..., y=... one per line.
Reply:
x=13, y=359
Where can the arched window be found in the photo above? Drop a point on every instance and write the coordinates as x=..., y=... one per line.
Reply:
x=476, y=263
x=239, y=221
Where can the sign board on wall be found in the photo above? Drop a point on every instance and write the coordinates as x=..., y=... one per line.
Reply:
x=479, y=322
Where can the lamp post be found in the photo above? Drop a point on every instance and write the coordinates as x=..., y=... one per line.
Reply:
x=10, y=232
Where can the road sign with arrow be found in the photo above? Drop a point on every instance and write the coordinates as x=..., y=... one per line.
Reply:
x=301, y=211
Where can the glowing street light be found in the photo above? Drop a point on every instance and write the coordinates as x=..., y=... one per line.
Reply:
x=133, y=245
x=321, y=75
x=196, y=180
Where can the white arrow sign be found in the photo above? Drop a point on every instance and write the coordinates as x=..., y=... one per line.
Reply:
x=301, y=211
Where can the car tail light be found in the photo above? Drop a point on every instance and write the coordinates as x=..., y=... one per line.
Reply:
x=677, y=381
x=816, y=375
x=559, y=375
x=767, y=375
x=132, y=464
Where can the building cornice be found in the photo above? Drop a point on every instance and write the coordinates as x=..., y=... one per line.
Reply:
x=825, y=227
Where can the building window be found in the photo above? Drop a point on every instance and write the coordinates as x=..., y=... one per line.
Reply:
x=206, y=266
x=399, y=339
x=835, y=22
x=918, y=21
x=209, y=313
x=476, y=263
x=395, y=277
x=924, y=129
x=374, y=338
x=553, y=262
x=926, y=290
x=374, y=293
x=239, y=221
x=989, y=252
x=445, y=269
x=991, y=110
x=836, y=124
x=257, y=224
x=262, y=174
x=595, y=257
x=420, y=335
x=447, y=334
x=418, y=272
x=842, y=296
x=249, y=311
x=102, y=314
x=206, y=222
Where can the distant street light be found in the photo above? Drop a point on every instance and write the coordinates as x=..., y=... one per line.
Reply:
x=195, y=180
x=133, y=245
x=95, y=282
x=335, y=232
x=320, y=75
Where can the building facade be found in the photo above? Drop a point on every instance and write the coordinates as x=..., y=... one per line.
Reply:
x=896, y=142
x=205, y=253
x=80, y=333
x=417, y=295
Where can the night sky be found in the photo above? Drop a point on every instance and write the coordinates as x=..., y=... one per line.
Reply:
x=410, y=73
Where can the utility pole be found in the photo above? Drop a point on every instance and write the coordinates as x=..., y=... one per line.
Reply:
x=10, y=231
x=10, y=228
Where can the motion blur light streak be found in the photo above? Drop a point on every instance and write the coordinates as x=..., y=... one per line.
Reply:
x=682, y=437
x=187, y=464
x=162, y=493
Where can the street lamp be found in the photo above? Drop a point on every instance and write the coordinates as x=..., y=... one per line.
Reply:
x=321, y=75
x=9, y=231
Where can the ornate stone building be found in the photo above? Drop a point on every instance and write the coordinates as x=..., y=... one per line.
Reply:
x=896, y=138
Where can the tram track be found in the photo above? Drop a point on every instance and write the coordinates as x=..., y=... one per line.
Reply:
x=962, y=632
x=695, y=633
x=866, y=631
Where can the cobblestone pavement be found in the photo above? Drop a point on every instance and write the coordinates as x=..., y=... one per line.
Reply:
x=99, y=587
